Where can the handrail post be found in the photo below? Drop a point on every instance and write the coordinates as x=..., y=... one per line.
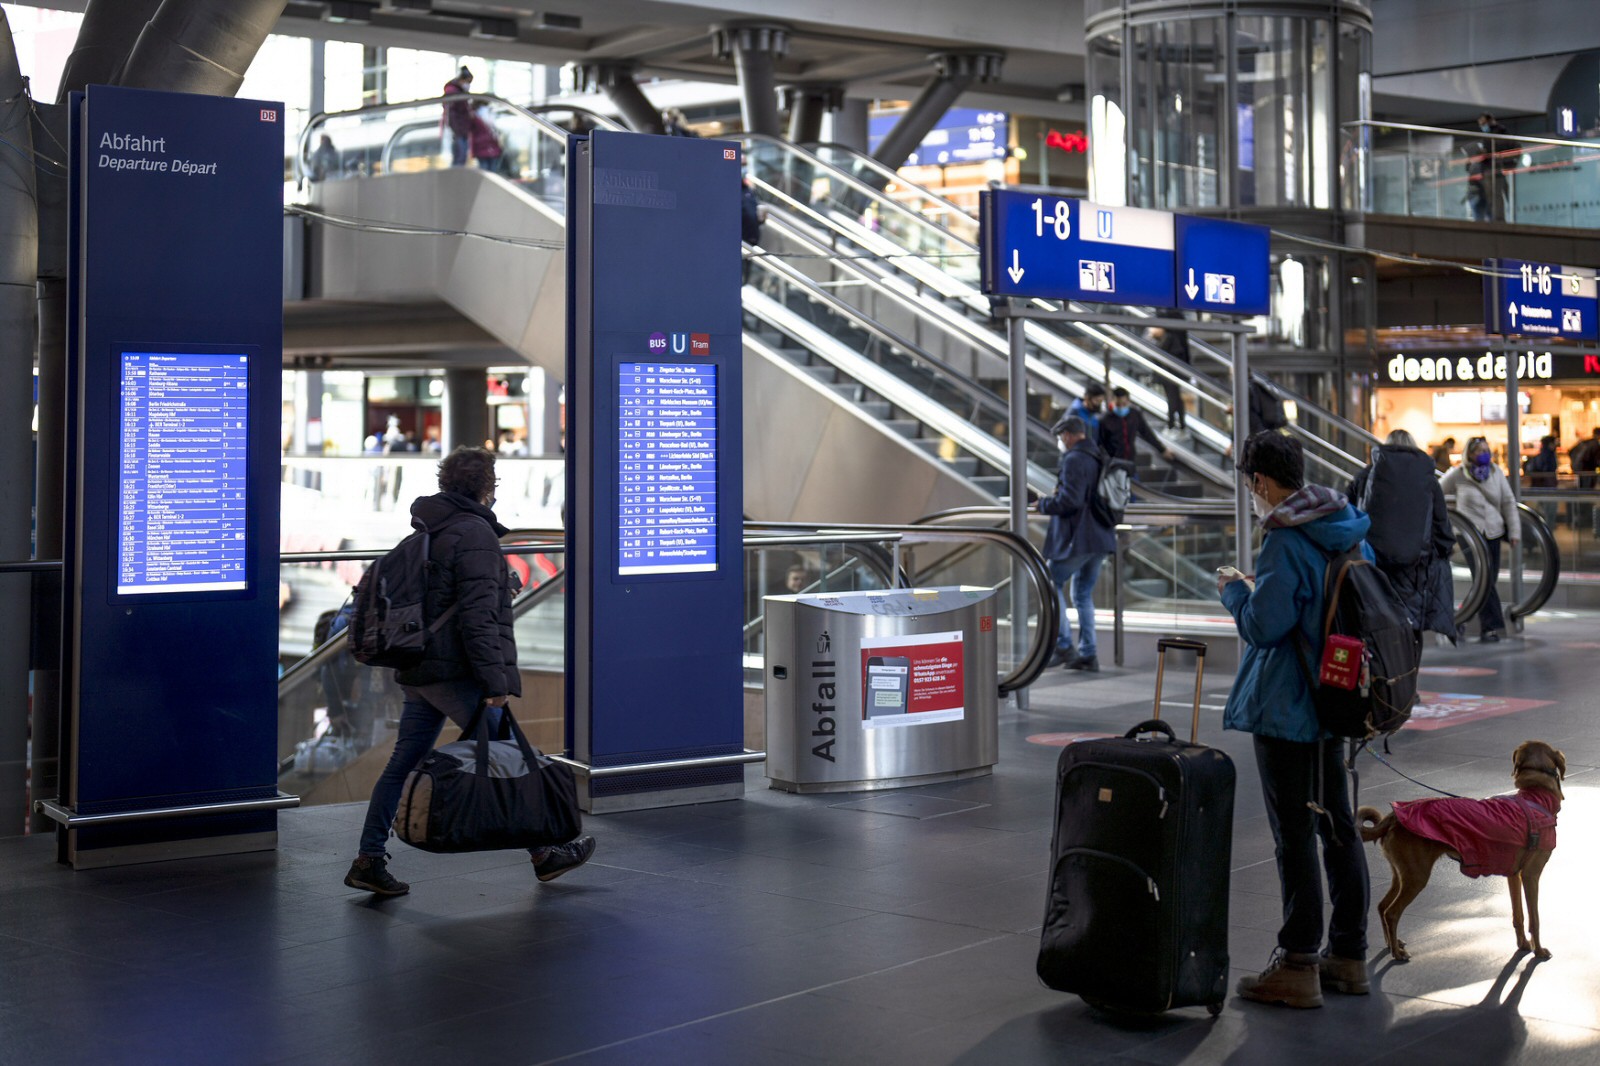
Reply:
x=1514, y=460
x=1241, y=430
x=1017, y=431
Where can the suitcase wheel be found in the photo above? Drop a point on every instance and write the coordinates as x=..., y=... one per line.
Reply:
x=1213, y=1009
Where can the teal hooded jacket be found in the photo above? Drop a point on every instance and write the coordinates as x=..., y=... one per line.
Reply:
x=1270, y=696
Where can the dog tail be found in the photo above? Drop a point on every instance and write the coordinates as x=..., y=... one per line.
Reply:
x=1374, y=826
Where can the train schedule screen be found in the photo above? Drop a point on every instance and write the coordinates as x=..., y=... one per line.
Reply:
x=181, y=487
x=667, y=468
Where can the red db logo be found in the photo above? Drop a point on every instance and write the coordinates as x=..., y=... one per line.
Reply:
x=268, y=115
x=730, y=153
x=985, y=623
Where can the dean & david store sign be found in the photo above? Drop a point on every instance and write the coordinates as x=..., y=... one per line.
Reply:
x=1438, y=394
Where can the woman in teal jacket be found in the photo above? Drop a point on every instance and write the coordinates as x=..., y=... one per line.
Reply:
x=1301, y=770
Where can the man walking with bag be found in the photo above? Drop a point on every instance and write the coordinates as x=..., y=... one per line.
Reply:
x=469, y=660
x=1302, y=775
x=1078, y=540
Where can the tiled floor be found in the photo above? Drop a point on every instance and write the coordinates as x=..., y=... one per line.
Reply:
x=782, y=929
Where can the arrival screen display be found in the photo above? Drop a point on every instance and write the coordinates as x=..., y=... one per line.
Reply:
x=181, y=492
x=667, y=468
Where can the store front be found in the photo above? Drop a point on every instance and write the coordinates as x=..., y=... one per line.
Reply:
x=1439, y=394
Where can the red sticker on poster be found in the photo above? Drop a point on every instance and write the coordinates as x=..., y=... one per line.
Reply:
x=912, y=680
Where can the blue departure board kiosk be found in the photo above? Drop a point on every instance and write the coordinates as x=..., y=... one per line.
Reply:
x=655, y=574
x=170, y=612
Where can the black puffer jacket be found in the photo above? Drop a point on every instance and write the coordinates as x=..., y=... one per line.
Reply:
x=1411, y=534
x=468, y=570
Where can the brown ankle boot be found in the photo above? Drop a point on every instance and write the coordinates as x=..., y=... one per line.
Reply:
x=1340, y=974
x=1290, y=979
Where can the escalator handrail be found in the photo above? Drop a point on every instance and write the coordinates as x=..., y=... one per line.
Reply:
x=971, y=335
x=1022, y=552
x=1546, y=586
x=899, y=393
x=302, y=155
x=1147, y=352
x=890, y=174
x=859, y=318
x=1477, y=551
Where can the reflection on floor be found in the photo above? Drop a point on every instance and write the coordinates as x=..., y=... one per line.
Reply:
x=782, y=929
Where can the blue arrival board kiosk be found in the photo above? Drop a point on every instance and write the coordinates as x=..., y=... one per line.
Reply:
x=654, y=667
x=171, y=581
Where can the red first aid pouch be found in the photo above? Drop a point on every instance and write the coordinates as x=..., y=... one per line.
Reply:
x=1341, y=661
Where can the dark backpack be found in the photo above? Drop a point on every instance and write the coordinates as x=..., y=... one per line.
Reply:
x=1113, y=488
x=387, y=627
x=1360, y=603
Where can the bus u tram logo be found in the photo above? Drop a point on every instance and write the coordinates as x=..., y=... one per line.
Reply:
x=1102, y=224
x=680, y=343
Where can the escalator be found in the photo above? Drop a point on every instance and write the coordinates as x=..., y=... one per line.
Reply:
x=337, y=718
x=835, y=397
x=926, y=248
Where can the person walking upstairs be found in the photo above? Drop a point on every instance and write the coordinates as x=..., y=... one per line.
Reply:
x=470, y=660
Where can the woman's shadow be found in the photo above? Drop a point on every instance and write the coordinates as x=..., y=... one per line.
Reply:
x=1488, y=1032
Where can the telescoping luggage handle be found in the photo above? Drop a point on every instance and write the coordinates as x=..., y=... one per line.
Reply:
x=1181, y=644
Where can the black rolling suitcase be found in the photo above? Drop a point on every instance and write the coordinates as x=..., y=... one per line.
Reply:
x=1137, y=914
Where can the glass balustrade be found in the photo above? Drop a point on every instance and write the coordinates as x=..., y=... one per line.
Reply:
x=1433, y=172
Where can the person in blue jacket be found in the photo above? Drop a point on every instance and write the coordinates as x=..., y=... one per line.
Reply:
x=1300, y=766
x=1089, y=407
x=1078, y=540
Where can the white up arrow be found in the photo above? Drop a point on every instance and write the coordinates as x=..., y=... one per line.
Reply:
x=1015, y=269
x=1511, y=308
x=1190, y=289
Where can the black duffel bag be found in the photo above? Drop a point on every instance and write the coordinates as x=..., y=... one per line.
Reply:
x=482, y=794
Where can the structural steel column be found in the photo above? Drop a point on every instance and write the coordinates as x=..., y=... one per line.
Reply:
x=955, y=71
x=466, y=408
x=848, y=125
x=616, y=81
x=19, y=249
x=806, y=105
x=754, y=49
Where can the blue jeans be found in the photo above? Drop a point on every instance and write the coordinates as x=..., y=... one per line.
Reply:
x=1082, y=571
x=420, y=723
x=460, y=145
x=1288, y=782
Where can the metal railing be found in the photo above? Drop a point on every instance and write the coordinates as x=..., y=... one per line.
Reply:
x=1469, y=175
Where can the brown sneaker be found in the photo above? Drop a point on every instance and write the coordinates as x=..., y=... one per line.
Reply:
x=1340, y=974
x=1290, y=979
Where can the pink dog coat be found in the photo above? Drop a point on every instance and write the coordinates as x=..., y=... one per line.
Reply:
x=1486, y=833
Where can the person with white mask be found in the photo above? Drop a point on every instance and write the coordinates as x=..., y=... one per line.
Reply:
x=1277, y=615
x=1078, y=541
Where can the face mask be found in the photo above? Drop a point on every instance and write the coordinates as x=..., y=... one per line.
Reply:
x=1121, y=412
x=1260, y=505
x=1061, y=445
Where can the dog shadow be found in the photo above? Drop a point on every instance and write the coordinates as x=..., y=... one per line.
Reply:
x=1489, y=1031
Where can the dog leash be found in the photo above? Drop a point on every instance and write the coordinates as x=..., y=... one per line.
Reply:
x=1408, y=777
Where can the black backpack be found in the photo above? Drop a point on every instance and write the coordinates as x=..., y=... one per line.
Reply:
x=387, y=627
x=1360, y=603
x=1113, y=488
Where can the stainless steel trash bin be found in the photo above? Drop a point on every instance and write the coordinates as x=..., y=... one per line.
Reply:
x=868, y=690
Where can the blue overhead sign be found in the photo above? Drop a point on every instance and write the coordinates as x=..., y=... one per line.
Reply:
x=1540, y=299
x=962, y=135
x=1058, y=248
x=1222, y=266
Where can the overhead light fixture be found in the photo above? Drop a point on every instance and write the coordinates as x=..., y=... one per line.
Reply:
x=495, y=29
x=553, y=20
x=349, y=11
